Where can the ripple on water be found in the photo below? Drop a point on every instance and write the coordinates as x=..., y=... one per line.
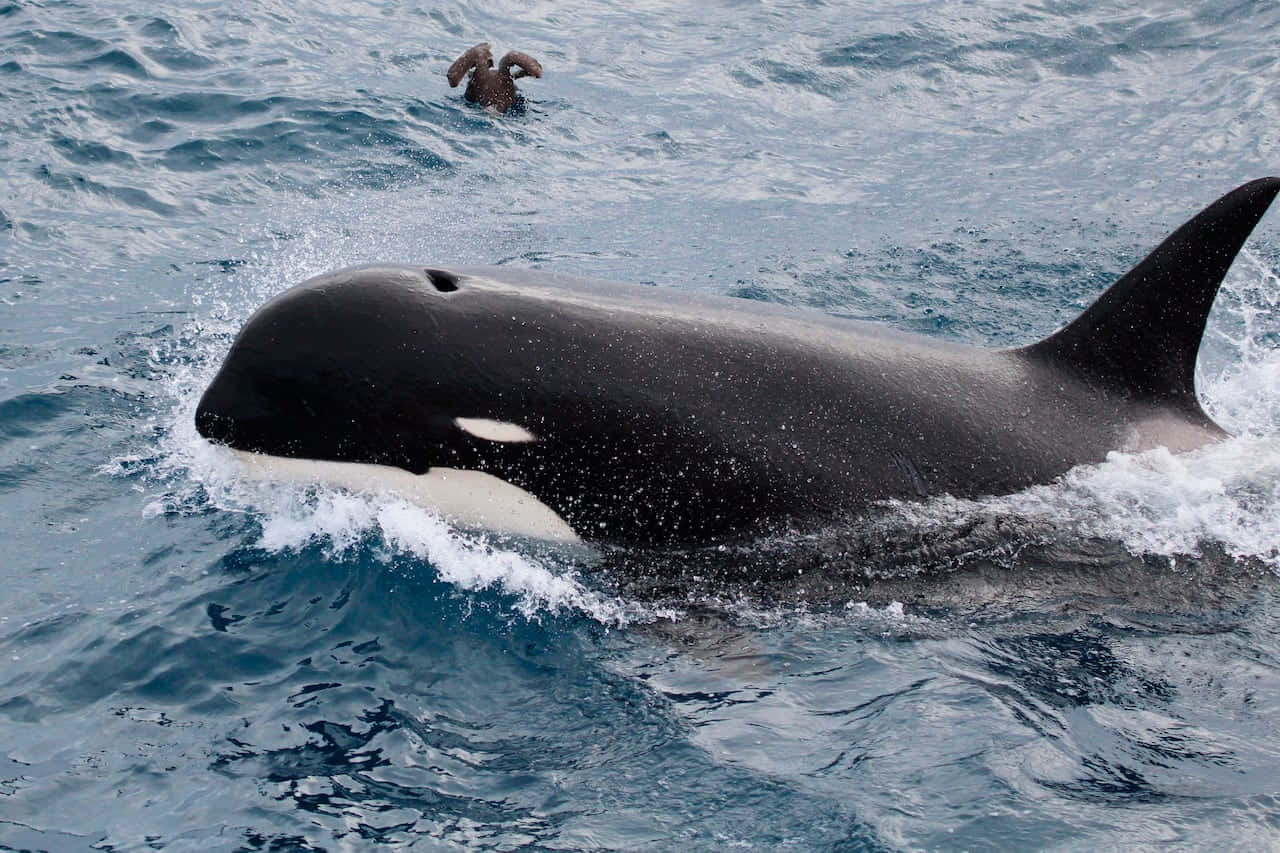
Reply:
x=170, y=50
x=60, y=43
x=115, y=195
x=117, y=61
x=89, y=152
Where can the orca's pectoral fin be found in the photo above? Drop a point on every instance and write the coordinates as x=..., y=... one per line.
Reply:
x=1143, y=334
x=478, y=55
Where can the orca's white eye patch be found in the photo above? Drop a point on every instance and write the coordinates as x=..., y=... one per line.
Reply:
x=491, y=430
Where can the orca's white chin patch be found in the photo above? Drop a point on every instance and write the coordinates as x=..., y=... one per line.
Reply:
x=467, y=498
x=491, y=430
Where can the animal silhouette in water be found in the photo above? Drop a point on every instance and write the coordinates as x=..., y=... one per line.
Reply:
x=489, y=88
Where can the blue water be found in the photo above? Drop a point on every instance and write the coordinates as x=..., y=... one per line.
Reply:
x=189, y=661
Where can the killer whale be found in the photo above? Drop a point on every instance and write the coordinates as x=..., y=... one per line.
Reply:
x=637, y=415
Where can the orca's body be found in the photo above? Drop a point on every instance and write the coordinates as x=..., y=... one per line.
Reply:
x=639, y=415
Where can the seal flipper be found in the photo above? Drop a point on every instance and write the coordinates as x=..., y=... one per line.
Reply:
x=1143, y=334
x=475, y=57
x=527, y=65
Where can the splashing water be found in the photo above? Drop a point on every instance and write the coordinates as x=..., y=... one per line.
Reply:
x=1172, y=504
x=1239, y=369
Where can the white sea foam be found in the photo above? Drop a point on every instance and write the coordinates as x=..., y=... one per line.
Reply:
x=1155, y=502
x=293, y=516
x=1170, y=504
x=1228, y=493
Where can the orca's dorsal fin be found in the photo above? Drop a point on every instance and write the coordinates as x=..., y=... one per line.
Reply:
x=1143, y=334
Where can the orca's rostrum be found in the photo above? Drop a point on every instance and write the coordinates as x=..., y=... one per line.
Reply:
x=546, y=405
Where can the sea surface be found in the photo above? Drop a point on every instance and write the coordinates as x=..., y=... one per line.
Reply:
x=190, y=661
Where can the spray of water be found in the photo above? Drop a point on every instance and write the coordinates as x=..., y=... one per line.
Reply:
x=1169, y=504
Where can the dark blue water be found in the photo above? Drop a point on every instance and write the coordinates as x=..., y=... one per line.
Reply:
x=191, y=661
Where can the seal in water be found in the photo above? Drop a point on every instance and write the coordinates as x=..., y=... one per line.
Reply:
x=489, y=88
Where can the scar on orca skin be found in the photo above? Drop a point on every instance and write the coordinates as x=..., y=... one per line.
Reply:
x=489, y=88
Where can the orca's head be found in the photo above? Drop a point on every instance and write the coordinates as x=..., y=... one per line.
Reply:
x=590, y=410
x=354, y=367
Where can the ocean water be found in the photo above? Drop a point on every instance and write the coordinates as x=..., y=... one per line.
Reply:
x=189, y=661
